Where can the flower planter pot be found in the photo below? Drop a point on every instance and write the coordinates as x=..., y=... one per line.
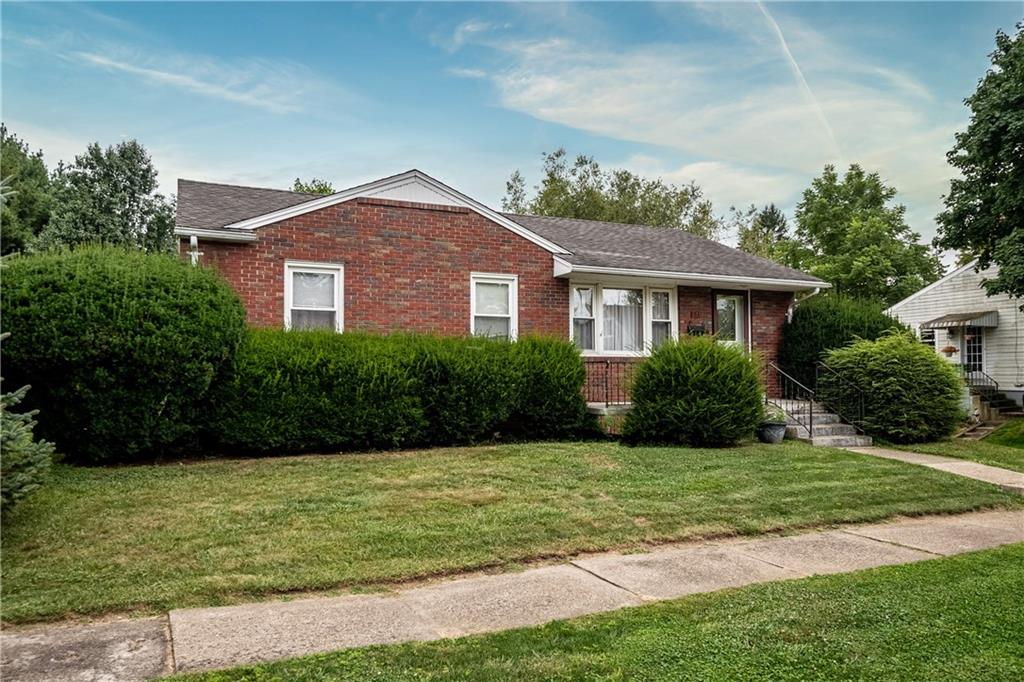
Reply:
x=771, y=432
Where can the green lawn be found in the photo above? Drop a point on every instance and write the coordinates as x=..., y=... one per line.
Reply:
x=947, y=619
x=148, y=538
x=1004, y=447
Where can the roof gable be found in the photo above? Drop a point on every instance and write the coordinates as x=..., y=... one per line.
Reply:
x=412, y=185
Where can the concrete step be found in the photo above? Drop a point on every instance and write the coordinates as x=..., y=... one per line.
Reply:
x=833, y=429
x=842, y=441
x=819, y=418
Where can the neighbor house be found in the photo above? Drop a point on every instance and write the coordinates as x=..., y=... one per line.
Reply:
x=410, y=253
x=983, y=335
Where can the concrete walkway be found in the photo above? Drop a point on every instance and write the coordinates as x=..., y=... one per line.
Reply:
x=209, y=638
x=1009, y=480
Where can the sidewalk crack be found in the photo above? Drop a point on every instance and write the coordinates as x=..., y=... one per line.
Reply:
x=600, y=577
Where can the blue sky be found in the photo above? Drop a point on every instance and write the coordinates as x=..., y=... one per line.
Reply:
x=748, y=100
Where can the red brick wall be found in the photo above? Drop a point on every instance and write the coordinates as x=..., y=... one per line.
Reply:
x=768, y=315
x=407, y=266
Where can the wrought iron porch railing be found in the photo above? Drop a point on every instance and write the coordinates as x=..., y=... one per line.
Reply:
x=840, y=395
x=980, y=382
x=791, y=396
x=609, y=380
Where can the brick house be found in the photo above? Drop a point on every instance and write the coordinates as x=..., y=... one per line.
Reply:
x=410, y=253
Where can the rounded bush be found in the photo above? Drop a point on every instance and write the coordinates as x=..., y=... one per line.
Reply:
x=695, y=392
x=824, y=322
x=120, y=347
x=911, y=395
x=549, y=404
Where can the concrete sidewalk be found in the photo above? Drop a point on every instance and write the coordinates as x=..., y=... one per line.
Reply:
x=209, y=638
x=1009, y=480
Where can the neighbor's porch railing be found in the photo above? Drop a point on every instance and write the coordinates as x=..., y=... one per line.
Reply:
x=791, y=396
x=609, y=380
x=979, y=382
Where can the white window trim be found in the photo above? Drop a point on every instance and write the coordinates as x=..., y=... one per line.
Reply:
x=337, y=269
x=598, y=289
x=513, y=299
x=743, y=325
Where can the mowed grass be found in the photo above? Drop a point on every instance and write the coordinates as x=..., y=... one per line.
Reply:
x=1004, y=447
x=149, y=538
x=946, y=619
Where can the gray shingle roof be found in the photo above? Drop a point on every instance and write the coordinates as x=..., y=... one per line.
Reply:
x=638, y=247
x=211, y=206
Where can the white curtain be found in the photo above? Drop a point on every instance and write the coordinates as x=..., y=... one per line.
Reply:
x=623, y=311
x=313, y=290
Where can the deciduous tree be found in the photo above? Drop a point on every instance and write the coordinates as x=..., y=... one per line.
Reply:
x=314, y=186
x=27, y=197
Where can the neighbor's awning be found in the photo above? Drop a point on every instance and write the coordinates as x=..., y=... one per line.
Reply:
x=988, y=318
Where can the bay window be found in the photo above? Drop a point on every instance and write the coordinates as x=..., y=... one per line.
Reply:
x=494, y=305
x=621, y=320
x=313, y=296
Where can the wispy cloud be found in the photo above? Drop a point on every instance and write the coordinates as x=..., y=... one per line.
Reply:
x=242, y=86
x=757, y=115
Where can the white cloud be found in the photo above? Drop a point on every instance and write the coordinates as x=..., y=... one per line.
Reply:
x=759, y=115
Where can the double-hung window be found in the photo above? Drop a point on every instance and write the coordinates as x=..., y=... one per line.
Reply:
x=494, y=305
x=625, y=320
x=313, y=296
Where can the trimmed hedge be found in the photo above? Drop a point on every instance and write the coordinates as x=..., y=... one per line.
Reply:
x=824, y=322
x=696, y=392
x=319, y=391
x=911, y=395
x=120, y=347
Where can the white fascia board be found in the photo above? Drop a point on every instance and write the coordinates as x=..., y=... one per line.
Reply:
x=891, y=309
x=377, y=186
x=215, y=235
x=696, y=279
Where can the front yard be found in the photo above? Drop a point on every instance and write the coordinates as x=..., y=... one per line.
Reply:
x=946, y=619
x=149, y=538
x=1003, y=448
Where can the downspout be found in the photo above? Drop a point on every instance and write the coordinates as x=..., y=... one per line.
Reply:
x=792, y=306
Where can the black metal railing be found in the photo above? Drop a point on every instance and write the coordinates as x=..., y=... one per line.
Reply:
x=609, y=380
x=980, y=382
x=792, y=397
x=839, y=395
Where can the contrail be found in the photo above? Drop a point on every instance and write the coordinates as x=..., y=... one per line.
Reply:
x=802, y=83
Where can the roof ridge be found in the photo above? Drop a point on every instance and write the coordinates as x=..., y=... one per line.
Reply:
x=603, y=222
x=262, y=189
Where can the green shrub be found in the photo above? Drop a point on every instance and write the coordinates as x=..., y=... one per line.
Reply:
x=25, y=460
x=120, y=346
x=315, y=390
x=695, y=392
x=320, y=391
x=824, y=322
x=911, y=395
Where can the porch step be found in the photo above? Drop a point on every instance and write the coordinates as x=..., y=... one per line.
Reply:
x=855, y=441
x=829, y=429
x=795, y=417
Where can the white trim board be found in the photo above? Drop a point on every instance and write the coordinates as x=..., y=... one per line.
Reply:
x=399, y=187
x=563, y=268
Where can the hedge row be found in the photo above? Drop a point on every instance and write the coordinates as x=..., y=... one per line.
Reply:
x=319, y=391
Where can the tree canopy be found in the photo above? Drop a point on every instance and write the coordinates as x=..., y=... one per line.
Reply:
x=585, y=190
x=851, y=234
x=109, y=196
x=28, y=197
x=763, y=232
x=984, y=214
x=314, y=186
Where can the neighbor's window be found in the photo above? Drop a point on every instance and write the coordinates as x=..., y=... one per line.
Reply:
x=623, y=312
x=493, y=302
x=583, y=320
x=313, y=296
x=730, y=311
x=928, y=337
x=661, y=317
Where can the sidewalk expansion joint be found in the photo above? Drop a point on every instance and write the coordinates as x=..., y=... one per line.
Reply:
x=641, y=597
x=862, y=536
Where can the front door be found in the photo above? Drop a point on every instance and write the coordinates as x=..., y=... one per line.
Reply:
x=974, y=349
x=731, y=323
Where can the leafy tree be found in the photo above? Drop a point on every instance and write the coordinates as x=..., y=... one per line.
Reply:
x=314, y=186
x=850, y=234
x=109, y=196
x=27, y=196
x=984, y=213
x=585, y=190
x=763, y=233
